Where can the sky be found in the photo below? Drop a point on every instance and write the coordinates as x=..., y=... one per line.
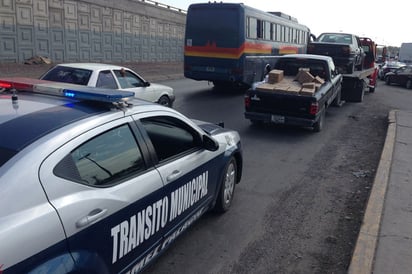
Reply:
x=387, y=24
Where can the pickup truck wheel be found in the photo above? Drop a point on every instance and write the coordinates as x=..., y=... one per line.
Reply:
x=337, y=102
x=409, y=84
x=318, y=126
x=256, y=122
x=351, y=68
x=227, y=187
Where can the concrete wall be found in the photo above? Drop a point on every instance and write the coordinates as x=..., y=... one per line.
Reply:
x=91, y=30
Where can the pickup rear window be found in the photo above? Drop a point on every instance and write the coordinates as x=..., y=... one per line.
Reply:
x=291, y=67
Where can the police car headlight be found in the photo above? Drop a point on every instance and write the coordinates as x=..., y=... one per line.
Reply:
x=230, y=140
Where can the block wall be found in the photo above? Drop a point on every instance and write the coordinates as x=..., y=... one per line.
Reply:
x=91, y=31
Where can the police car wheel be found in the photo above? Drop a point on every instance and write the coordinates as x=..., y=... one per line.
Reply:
x=227, y=188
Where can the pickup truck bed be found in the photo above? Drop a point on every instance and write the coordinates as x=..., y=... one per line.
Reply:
x=296, y=108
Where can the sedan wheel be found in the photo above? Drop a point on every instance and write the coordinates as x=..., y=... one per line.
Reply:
x=409, y=84
x=164, y=101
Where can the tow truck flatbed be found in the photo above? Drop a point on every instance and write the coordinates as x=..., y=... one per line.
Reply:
x=354, y=84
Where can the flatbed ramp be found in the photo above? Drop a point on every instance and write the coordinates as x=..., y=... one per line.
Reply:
x=354, y=85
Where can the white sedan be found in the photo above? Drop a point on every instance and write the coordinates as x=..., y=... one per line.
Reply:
x=113, y=77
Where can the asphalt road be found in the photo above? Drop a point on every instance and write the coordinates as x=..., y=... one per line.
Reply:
x=299, y=206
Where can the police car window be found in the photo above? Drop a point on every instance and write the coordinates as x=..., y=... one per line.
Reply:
x=106, y=80
x=170, y=137
x=104, y=160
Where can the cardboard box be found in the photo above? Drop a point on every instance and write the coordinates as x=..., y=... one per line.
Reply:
x=301, y=70
x=294, y=89
x=275, y=76
x=311, y=85
x=319, y=80
x=305, y=77
x=266, y=87
x=281, y=87
x=307, y=91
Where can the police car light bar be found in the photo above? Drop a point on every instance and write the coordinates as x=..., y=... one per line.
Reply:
x=65, y=90
x=97, y=94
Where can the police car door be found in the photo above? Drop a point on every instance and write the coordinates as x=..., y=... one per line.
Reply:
x=109, y=197
x=189, y=172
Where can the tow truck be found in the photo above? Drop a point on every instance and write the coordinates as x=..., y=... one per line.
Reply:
x=355, y=84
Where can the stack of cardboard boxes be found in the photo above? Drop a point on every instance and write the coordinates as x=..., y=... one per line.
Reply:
x=304, y=83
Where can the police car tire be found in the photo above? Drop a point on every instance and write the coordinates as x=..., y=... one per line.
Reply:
x=227, y=187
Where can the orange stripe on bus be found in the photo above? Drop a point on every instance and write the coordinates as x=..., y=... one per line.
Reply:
x=211, y=50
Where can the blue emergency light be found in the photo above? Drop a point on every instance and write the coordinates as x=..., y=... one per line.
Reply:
x=97, y=94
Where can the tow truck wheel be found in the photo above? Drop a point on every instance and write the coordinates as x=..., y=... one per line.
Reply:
x=227, y=187
x=388, y=80
x=409, y=84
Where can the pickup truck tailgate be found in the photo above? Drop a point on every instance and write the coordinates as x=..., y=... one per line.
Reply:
x=332, y=50
x=279, y=103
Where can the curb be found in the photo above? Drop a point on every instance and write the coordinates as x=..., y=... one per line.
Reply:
x=364, y=253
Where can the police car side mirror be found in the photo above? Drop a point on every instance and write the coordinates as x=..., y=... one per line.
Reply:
x=209, y=143
x=146, y=84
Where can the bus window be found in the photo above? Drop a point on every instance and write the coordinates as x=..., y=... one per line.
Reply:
x=272, y=32
x=252, y=28
x=278, y=33
x=294, y=36
x=268, y=33
x=260, y=29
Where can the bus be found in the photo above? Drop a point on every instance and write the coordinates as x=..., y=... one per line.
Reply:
x=232, y=44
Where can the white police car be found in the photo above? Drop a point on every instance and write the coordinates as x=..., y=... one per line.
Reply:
x=90, y=183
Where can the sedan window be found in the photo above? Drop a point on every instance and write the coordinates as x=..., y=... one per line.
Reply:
x=106, y=80
x=170, y=137
x=68, y=75
x=103, y=160
x=127, y=79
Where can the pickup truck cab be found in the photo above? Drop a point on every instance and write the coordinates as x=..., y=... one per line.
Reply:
x=296, y=108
